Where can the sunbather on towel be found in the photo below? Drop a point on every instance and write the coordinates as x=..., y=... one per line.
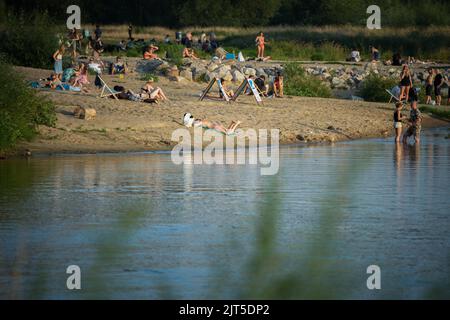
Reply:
x=189, y=121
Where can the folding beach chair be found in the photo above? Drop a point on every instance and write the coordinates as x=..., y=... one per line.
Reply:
x=105, y=87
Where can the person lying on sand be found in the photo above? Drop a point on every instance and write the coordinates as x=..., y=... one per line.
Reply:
x=153, y=93
x=189, y=121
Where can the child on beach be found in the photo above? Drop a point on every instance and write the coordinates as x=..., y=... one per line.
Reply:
x=82, y=77
x=189, y=121
x=415, y=127
x=398, y=117
x=278, y=85
x=58, y=57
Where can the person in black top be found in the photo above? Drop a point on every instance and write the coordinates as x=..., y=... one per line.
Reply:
x=98, y=32
x=405, y=83
x=438, y=82
x=398, y=117
x=397, y=59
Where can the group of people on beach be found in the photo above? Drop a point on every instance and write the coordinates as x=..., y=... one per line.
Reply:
x=75, y=78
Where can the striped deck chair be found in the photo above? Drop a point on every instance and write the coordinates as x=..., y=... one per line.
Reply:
x=106, y=90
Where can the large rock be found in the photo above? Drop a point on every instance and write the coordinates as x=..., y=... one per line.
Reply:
x=228, y=76
x=212, y=66
x=261, y=72
x=237, y=76
x=199, y=73
x=187, y=74
x=210, y=75
x=148, y=66
x=223, y=70
x=249, y=71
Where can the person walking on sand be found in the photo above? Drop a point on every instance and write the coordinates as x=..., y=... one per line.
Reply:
x=398, y=117
x=260, y=44
x=58, y=57
x=415, y=120
x=405, y=83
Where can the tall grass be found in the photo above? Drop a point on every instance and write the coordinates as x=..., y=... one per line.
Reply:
x=329, y=42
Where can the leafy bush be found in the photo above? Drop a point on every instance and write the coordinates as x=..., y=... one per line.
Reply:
x=29, y=41
x=298, y=83
x=373, y=88
x=149, y=76
x=21, y=109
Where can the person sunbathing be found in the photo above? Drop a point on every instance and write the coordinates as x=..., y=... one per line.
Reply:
x=150, y=54
x=190, y=121
x=153, y=93
x=228, y=91
x=189, y=53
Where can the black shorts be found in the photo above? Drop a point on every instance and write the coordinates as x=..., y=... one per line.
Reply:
x=437, y=91
x=429, y=90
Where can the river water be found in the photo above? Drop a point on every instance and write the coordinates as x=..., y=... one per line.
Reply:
x=139, y=226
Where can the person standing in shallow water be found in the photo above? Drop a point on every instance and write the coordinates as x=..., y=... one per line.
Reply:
x=415, y=127
x=398, y=117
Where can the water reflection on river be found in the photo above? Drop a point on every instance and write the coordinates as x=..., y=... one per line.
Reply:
x=142, y=227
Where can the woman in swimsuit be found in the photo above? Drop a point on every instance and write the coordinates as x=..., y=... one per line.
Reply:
x=154, y=93
x=405, y=83
x=189, y=121
x=260, y=43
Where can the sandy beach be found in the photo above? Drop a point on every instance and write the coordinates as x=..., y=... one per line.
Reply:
x=122, y=125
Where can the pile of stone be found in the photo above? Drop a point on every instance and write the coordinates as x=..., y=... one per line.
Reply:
x=201, y=70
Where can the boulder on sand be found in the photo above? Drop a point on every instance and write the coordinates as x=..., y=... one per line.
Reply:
x=84, y=113
x=187, y=74
x=148, y=66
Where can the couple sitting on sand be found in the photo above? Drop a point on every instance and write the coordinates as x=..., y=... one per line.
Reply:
x=189, y=121
x=148, y=93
